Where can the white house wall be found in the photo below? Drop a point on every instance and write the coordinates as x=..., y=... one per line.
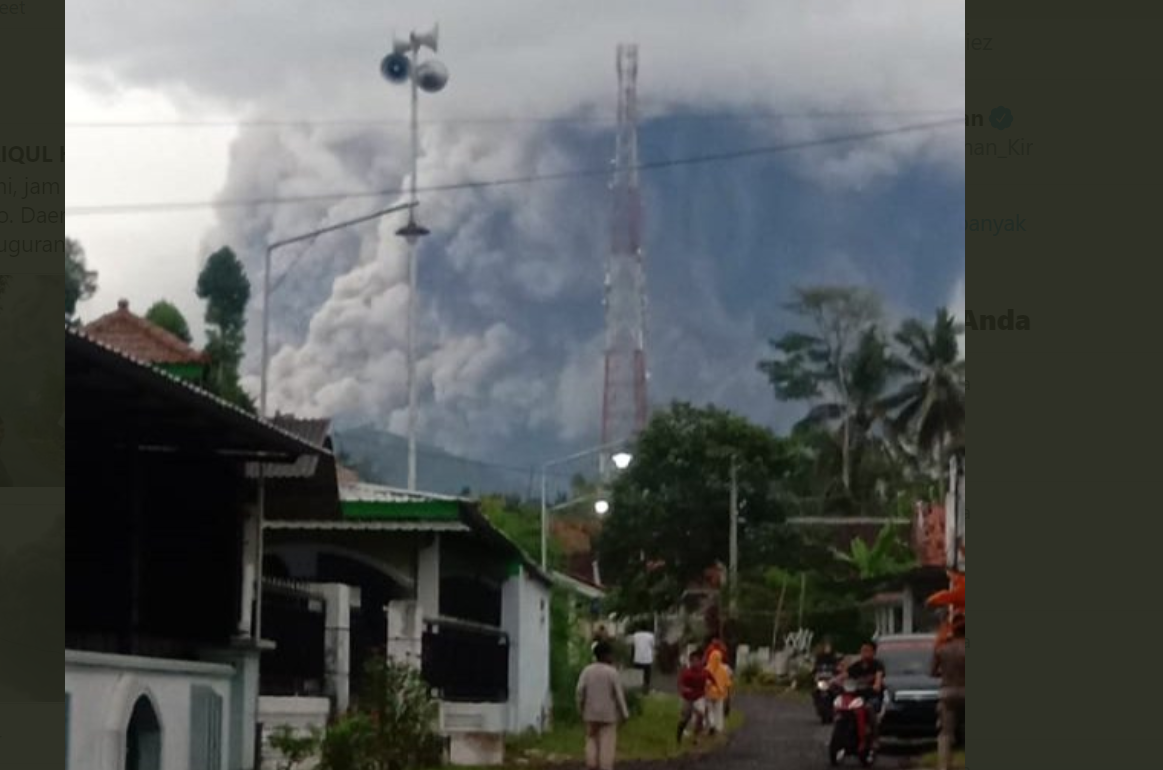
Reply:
x=525, y=617
x=103, y=690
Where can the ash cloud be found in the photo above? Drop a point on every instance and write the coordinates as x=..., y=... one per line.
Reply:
x=510, y=322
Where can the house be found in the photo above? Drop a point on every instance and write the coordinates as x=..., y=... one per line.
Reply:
x=939, y=546
x=145, y=341
x=162, y=643
x=418, y=577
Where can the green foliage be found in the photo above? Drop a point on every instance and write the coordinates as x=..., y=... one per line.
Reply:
x=347, y=744
x=226, y=289
x=294, y=746
x=403, y=714
x=887, y=556
x=80, y=282
x=930, y=405
x=569, y=653
x=670, y=508
x=521, y=523
x=166, y=315
x=392, y=727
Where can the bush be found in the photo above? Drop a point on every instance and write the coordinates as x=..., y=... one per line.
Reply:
x=751, y=674
x=294, y=747
x=393, y=728
x=347, y=744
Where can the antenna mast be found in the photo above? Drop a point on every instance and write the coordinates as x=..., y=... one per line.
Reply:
x=624, y=403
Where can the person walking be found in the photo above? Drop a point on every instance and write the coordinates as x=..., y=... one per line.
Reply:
x=692, y=687
x=642, y=644
x=602, y=705
x=718, y=690
x=949, y=665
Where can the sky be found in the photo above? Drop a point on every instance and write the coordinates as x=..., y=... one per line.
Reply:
x=511, y=280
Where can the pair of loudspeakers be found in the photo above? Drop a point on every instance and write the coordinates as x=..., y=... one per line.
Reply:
x=431, y=76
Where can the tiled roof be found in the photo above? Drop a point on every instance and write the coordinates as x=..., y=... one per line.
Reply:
x=140, y=339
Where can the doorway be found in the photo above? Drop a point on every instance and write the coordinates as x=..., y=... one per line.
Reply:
x=143, y=739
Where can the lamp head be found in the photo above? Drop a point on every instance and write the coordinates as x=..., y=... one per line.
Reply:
x=602, y=507
x=622, y=460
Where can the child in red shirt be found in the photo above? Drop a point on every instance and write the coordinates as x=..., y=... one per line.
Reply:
x=692, y=686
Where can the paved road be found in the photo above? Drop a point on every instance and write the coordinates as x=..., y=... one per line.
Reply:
x=777, y=734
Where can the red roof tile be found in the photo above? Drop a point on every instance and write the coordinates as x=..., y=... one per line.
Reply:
x=138, y=338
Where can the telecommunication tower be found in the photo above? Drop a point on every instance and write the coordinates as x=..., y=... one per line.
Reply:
x=624, y=404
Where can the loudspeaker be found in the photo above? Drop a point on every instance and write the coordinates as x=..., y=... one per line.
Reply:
x=395, y=67
x=431, y=76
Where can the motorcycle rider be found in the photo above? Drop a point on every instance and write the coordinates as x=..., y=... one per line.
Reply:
x=827, y=661
x=868, y=673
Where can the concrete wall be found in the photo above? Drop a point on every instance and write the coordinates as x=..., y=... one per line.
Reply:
x=103, y=690
x=525, y=617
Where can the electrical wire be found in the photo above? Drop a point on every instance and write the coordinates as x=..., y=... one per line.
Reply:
x=403, y=123
x=138, y=208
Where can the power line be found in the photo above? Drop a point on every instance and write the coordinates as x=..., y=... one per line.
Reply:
x=222, y=123
x=530, y=179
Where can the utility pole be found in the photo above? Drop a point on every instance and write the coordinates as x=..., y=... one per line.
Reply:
x=734, y=561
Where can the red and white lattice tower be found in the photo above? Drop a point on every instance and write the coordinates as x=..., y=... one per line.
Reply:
x=624, y=399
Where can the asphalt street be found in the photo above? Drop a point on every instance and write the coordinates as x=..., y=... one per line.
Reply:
x=777, y=734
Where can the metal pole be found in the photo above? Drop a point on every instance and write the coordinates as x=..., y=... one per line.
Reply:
x=412, y=282
x=266, y=324
x=734, y=561
x=262, y=481
x=544, y=521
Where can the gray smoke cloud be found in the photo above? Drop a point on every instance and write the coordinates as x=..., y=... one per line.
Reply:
x=510, y=316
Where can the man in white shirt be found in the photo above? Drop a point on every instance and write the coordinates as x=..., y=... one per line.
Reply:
x=642, y=643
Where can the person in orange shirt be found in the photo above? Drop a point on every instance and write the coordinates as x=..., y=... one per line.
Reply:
x=718, y=689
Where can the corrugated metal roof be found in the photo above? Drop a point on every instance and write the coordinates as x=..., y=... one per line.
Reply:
x=369, y=526
x=374, y=493
x=316, y=431
x=194, y=390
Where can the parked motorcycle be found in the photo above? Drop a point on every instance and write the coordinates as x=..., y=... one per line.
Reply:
x=825, y=693
x=852, y=728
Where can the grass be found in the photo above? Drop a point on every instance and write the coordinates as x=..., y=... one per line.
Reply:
x=930, y=760
x=647, y=736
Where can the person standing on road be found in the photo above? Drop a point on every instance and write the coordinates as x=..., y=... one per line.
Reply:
x=718, y=688
x=642, y=643
x=949, y=665
x=692, y=687
x=602, y=705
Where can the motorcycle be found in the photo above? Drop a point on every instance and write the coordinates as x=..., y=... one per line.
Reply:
x=852, y=728
x=824, y=694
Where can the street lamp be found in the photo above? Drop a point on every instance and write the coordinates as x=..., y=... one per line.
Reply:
x=621, y=461
x=431, y=76
x=267, y=290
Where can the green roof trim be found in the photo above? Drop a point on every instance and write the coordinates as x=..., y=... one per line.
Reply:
x=192, y=372
x=426, y=510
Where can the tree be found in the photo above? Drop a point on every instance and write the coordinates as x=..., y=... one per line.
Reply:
x=226, y=289
x=166, y=315
x=887, y=556
x=80, y=282
x=930, y=406
x=823, y=365
x=670, y=518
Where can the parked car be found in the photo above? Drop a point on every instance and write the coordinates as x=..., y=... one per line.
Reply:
x=912, y=694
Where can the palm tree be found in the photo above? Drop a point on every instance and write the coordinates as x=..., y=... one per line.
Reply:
x=930, y=406
x=856, y=418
